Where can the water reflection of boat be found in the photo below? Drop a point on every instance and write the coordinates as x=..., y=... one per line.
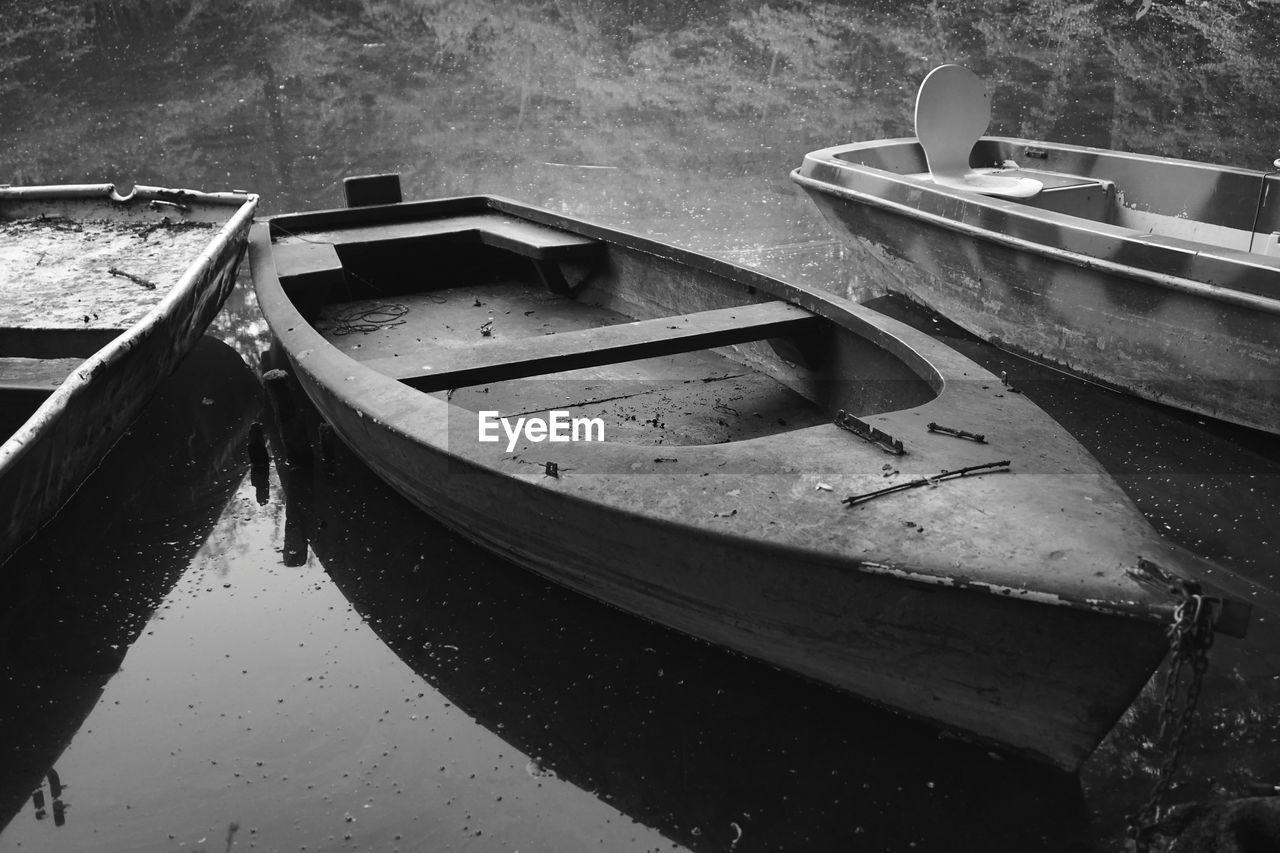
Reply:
x=709, y=748
x=79, y=593
x=1010, y=606
x=102, y=295
x=1157, y=276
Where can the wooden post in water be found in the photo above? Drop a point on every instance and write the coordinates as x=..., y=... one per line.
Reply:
x=293, y=433
x=259, y=463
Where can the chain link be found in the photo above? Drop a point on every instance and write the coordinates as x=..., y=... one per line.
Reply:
x=1190, y=638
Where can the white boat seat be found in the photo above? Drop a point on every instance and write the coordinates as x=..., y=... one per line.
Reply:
x=953, y=110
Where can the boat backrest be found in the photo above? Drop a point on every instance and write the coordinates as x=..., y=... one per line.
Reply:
x=953, y=110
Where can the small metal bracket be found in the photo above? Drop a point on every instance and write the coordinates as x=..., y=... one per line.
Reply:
x=867, y=432
x=958, y=433
x=1154, y=575
x=1227, y=615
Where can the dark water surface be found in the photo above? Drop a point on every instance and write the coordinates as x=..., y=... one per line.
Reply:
x=198, y=680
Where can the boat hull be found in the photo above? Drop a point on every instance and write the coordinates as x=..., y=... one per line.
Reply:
x=1102, y=301
x=44, y=462
x=1012, y=621
x=944, y=654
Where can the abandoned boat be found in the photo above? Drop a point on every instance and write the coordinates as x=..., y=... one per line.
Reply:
x=1155, y=276
x=761, y=465
x=101, y=295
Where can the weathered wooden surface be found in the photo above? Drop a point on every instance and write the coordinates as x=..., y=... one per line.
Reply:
x=58, y=273
x=455, y=367
x=697, y=397
x=504, y=232
x=35, y=374
x=126, y=336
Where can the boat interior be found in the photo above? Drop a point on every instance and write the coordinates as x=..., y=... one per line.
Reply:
x=74, y=274
x=498, y=312
x=1227, y=208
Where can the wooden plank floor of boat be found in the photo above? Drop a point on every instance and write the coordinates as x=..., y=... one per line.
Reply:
x=41, y=376
x=697, y=397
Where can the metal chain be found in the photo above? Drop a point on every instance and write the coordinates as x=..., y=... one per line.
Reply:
x=1191, y=637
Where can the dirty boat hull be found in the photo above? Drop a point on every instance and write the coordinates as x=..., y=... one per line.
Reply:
x=997, y=606
x=112, y=360
x=936, y=652
x=1135, y=272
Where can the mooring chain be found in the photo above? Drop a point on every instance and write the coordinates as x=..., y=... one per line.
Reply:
x=1190, y=636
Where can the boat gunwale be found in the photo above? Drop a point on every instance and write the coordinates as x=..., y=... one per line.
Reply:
x=15, y=446
x=314, y=355
x=1021, y=212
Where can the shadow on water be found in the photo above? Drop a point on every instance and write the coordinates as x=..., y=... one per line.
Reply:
x=1213, y=488
x=714, y=751
x=78, y=595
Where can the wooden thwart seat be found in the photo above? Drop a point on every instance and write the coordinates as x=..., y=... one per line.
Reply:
x=313, y=258
x=35, y=375
x=491, y=229
x=440, y=369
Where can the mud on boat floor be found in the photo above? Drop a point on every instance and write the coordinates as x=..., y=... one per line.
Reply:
x=58, y=273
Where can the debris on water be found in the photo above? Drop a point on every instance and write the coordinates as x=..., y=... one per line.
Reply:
x=487, y=328
x=823, y=487
x=537, y=771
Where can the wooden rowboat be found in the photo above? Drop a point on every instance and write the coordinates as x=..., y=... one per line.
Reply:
x=726, y=500
x=101, y=295
x=1155, y=276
